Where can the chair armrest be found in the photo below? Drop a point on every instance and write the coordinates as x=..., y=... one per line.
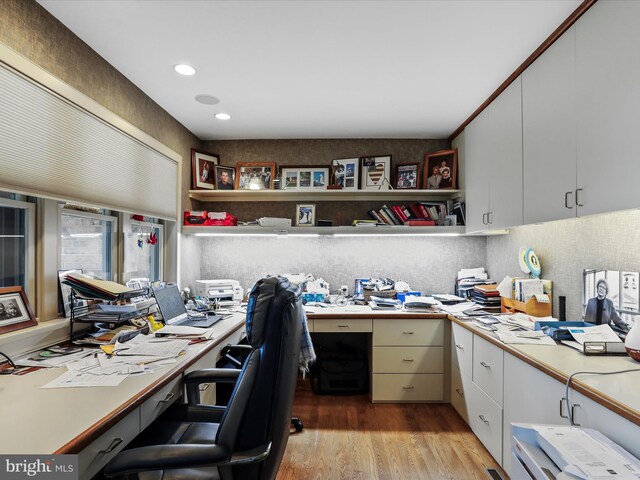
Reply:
x=184, y=412
x=167, y=457
x=194, y=379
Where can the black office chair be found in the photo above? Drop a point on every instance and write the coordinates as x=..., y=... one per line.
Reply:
x=245, y=440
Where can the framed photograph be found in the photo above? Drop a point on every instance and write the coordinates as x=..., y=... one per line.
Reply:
x=375, y=173
x=225, y=178
x=15, y=311
x=345, y=173
x=203, y=169
x=407, y=176
x=306, y=177
x=305, y=215
x=255, y=175
x=441, y=170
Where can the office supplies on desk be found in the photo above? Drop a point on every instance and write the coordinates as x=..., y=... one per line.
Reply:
x=174, y=312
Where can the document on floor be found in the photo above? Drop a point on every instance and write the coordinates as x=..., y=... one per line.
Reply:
x=72, y=378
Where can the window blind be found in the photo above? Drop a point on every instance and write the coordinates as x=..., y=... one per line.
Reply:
x=50, y=147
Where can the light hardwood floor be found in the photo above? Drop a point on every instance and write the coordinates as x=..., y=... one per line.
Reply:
x=347, y=437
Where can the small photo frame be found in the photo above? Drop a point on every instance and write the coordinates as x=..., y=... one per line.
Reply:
x=375, y=173
x=305, y=215
x=441, y=170
x=255, y=175
x=225, y=178
x=203, y=169
x=407, y=176
x=345, y=173
x=15, y=311
x=306, y=177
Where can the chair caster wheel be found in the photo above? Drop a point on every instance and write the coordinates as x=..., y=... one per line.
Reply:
x=297, y=424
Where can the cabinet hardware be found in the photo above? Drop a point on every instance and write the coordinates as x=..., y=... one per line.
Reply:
x=407, y=360
x=485, y=365
x=573, y=414
x=562, y=415
x=490, y=218
x=168, y=397
x=578, y=202
x=408, y=388
x=566, y=199
x=114, y=444
x=459, y=347
x=459, y=392
x=407, y=333
x=343, y=326
x=483, y=418
x=484, y=219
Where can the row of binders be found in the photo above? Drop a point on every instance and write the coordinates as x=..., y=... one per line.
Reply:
x=421, y=214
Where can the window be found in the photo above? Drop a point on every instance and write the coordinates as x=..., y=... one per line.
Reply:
x=17, y=244
x=143, y=247
x=87, y=243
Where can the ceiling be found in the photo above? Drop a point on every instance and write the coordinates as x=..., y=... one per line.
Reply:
x=317, y=68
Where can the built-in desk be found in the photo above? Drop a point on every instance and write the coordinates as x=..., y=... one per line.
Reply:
x=407, y=350
x=97, y=423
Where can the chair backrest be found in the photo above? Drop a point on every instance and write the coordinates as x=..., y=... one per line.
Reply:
x=260, y=407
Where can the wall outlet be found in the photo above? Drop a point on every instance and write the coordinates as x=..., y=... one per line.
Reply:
x=344, y=290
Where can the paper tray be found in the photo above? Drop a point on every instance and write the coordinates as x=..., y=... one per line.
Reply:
x=558, y=330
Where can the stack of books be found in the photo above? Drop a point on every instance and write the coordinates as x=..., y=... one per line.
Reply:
x=469, y=278
x=445, y=212
x=487, y=296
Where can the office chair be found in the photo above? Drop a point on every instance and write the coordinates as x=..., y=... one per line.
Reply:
x=246, y=439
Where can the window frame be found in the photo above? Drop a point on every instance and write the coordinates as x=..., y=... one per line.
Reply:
x=129, y=228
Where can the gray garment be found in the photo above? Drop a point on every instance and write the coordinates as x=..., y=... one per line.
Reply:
x=609, y=314
x=433, y=182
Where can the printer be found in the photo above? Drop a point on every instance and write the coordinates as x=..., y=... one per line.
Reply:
x=225, y=292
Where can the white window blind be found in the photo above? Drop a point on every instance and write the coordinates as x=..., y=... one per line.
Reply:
x=49, y=147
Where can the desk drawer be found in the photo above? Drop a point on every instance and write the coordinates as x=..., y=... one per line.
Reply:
x=461, y=349
x=485, y=419
x=408, y=332
x=158, y=403
x=407, y=387
x=458, y=400
x=95, y=456
x=350, y=325
x=408, y=360
x=488, y=368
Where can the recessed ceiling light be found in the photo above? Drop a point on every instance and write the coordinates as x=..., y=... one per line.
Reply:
x=206, y=99
x=222, y=116
x=183, y=69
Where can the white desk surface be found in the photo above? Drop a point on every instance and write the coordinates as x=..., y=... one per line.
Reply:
x=364, y=311
x=619, y=393
x=37, y=420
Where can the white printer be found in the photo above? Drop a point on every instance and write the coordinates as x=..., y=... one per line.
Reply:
x=227, y=293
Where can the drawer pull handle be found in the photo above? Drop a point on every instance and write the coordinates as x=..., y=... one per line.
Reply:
x=459, y=347
x=407, y=333
x=459, y=392
x=411, y=387
x=343, y=326
x=114, y=444
x=485, y=365
x=407, y=360
x=483, y=418
x=168, y=397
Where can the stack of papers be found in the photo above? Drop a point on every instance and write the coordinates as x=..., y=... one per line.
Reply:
x=596, y=333
x=185, y=332
x=379, y=303
x=417, y=303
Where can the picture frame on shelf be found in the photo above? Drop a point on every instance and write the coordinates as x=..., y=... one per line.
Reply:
x=15, y=311
x=441, y=170
x=375, y=172
x=345, y=173
x=225, y=178
x=407, y=176
x=307, y=177
x=255, y=175
x=305, y=215
x=203, y=169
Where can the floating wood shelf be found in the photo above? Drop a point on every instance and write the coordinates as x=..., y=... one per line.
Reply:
x=320, y=195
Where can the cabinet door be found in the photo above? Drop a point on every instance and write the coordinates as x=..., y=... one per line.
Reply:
x=477, y=172
x=505, y=195
x=530, y=396
x=608, y=101
x=548, y=124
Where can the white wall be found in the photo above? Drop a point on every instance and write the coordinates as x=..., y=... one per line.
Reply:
x=566, y=247
x=428, y=264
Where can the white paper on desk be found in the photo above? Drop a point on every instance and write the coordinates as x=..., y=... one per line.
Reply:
x=459, y=307
x=152, y=348
x=53, y=361
x=78, y=379
x=597, y=333
x=412, y=301
x=185, y=331
x=504, y=287
x=472, y=272
x=521, y=338
x=522, y=320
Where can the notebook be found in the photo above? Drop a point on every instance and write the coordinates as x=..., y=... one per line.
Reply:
x=174, y=312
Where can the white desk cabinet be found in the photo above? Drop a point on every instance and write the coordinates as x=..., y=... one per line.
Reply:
x=488, y=368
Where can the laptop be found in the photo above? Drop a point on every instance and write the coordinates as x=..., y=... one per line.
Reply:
x=174, y=312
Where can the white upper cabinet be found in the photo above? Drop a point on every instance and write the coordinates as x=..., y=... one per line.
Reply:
x=549, y=140
x=608, y=102
x=493, y=164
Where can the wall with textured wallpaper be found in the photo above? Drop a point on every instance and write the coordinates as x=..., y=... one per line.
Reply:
x=567, y=247
x=428, y=264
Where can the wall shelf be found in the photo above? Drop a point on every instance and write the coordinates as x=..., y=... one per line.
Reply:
x=320, y=195
x=316, y=231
